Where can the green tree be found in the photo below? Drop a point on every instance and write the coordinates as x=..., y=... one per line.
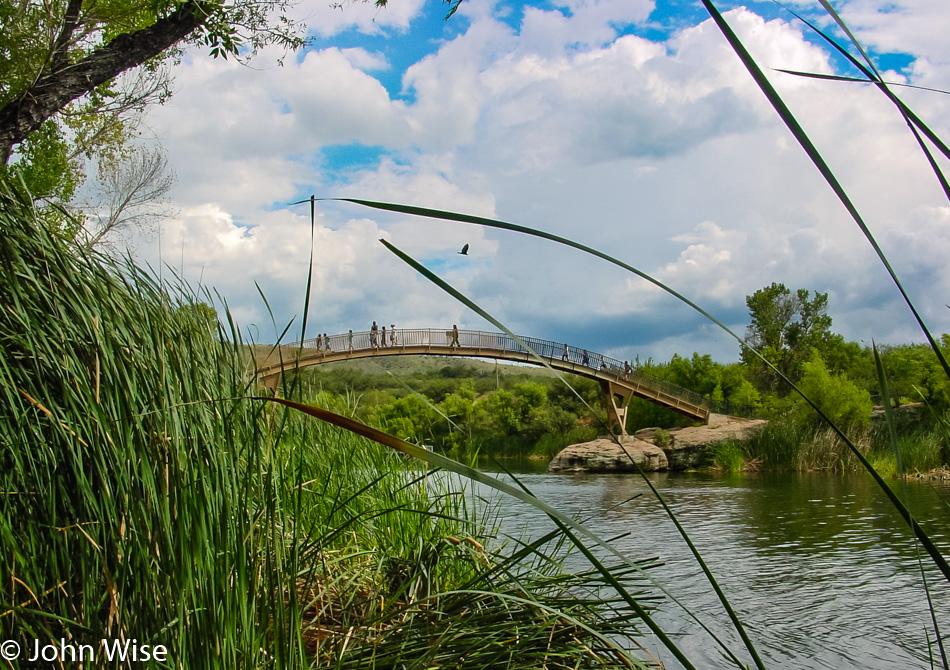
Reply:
x=784, y=328
x=745, y=394
x=914, y=374
x=46, y=165
x=735, y=382
x=497, y=413
x=459, y=406
x=838, y=397
x=409, y=418
x=700, y=373
x=529, y=395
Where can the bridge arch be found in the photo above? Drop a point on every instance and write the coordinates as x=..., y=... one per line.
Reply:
x=618, y=382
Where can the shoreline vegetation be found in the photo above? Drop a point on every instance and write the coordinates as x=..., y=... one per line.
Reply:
x=466, y=408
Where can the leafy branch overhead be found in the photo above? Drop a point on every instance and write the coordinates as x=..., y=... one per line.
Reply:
x=53, y=53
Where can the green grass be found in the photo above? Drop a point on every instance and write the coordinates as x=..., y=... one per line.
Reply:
x=729, y=456
x=133, y=482
x=921, y=450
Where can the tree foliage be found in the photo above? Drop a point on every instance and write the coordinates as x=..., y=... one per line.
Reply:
x=56, y=52
x=838, y=397
x=77, y=75
x=784, y=328
x=915, y=375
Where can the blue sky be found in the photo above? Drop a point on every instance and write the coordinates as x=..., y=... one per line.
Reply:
x=627, y=125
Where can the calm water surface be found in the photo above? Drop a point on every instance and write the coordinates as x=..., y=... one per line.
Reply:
x=819, y=567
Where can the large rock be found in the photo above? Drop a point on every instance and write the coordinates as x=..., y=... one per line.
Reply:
x=604, y=455
x=686, y=448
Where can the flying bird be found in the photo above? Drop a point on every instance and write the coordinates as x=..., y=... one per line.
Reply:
x=464, y=250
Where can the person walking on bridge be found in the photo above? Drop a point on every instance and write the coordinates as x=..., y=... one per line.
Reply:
x=349, y=339
x=383, y=342
x=566, y=355
x=373, y=333
x=392, y=334
x=455, y=337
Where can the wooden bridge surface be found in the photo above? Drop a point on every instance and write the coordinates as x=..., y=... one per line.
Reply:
x=480, y=344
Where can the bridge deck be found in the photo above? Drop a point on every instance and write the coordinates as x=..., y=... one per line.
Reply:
x=474, y=343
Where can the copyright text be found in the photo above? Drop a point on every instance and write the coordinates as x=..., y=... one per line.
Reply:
x=64, y=651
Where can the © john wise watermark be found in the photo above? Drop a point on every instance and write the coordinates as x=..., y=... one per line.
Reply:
x=63, y=651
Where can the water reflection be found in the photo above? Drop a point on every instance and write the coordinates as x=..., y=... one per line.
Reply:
x=819, y=567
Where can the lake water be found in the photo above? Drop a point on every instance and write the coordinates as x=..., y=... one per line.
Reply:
x=819, y=567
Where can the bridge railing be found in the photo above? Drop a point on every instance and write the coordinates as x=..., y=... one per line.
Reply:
x=489, y=341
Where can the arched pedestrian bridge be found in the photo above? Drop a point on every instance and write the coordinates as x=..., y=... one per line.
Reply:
x=618, y=382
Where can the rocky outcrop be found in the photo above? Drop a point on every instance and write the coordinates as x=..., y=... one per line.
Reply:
x=653, y=449
x=605, y=455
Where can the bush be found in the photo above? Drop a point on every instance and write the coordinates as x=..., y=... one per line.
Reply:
x=551, y=444
x=834, y=394
x=662, y=437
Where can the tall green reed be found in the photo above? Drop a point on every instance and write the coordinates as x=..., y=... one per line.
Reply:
x=441, y=575
x=130, y=488
x=729, y=456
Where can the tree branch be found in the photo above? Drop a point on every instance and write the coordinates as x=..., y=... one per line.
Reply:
x=57, y=87
x=60, y=55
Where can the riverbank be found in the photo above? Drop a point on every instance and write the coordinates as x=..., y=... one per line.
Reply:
x=784, y=444
x=656, y=449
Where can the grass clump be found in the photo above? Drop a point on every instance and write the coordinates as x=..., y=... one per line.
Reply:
x=729, y=456
x=921, y=450
x=145, y=496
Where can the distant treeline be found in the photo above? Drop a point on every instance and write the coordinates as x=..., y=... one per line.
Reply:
x=468, y=407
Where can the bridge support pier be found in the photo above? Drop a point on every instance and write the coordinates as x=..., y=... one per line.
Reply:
x=616, y=400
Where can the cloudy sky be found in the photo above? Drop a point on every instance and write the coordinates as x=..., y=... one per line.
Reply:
x=627, y=125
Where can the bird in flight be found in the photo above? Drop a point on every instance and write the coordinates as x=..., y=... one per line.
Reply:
x=464, y=250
